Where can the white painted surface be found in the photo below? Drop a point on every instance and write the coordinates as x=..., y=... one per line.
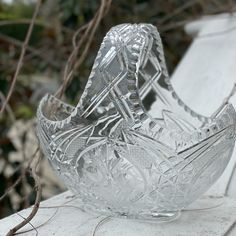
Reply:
x=69, y=220
x=208, y=70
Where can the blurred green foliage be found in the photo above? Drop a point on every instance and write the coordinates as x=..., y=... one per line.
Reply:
x=16, y=10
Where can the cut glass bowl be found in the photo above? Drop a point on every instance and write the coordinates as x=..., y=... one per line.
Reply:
x=122, y=158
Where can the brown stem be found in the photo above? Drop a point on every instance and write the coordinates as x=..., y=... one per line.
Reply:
x=87, y=37
x=20, y=62
x=38, y=190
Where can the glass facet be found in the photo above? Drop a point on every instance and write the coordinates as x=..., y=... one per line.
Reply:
x=123, y=158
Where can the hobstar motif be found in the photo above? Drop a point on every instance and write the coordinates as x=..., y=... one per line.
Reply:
x=121, y=157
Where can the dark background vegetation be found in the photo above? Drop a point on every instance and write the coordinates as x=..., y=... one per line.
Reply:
x=45, y=59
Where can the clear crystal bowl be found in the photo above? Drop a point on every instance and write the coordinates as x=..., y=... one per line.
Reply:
x=123, y=158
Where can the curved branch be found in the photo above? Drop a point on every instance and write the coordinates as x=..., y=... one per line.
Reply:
x=38, y=190
x=23, y=50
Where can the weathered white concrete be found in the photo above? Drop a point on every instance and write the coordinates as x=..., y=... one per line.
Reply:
x=208, y=70
x=69, y=220
x=206, y=74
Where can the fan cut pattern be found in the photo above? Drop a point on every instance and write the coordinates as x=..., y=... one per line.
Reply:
x=122, y=158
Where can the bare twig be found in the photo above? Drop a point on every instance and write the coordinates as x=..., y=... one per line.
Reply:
x=68, y=72
x=25, y=200
x=90, y=29
x=179, y=10
x=33, y=50
x=23, y=173
x=101, y=14
x=37, y=22
x=77, y=33
x=225, y=8
x=36, y=228
x=57, y=207
x=28, y=223
x=8, y=109
x=20, y=62
x=11, y=187
x=230, y=229
x=87, y=37
x=100, y=223
x=38, y=189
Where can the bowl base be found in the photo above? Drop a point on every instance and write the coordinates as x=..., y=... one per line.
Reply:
x=155, y=217
x=148, y=216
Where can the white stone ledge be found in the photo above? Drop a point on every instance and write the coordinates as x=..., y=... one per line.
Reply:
x=194, y=27
x=66, y=219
